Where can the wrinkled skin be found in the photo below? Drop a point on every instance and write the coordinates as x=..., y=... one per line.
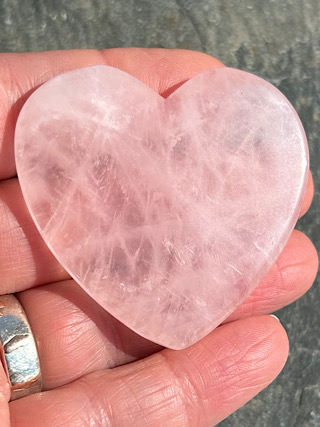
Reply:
x=79, y=342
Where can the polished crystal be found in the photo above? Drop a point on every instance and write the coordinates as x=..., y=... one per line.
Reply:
x=168, y=212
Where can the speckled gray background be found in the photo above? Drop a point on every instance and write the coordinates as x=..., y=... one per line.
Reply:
x=276, y=39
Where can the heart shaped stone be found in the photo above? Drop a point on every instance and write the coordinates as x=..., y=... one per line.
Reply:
x=168, y=212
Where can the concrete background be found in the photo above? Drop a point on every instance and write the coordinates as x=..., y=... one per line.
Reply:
x=276, y=39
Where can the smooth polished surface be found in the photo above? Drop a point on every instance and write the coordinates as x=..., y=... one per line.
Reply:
x=167, y=212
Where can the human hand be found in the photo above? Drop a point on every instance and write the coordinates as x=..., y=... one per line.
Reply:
x=79, y=343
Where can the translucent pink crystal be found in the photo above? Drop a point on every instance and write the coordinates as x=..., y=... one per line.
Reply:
x=167, y=212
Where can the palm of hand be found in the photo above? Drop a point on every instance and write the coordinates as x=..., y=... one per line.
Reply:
x=79, y=342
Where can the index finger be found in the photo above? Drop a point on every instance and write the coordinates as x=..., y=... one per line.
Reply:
x=161, y=69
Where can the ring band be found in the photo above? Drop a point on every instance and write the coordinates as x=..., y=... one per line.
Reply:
x=18, y=351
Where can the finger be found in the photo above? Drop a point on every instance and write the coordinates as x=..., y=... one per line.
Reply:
x=161, y=69
x=25, y=260
x=289, y=278
x=198, y=386
x=308, y=197
x=76, y=336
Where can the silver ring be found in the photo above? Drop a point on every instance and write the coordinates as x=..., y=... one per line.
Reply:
x=18, y=351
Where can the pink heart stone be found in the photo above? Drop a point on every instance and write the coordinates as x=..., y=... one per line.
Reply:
x=168, y=212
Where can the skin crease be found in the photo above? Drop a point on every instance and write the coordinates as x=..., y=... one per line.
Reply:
x=79, y=342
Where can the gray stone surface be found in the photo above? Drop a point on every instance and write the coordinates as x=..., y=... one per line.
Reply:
x=276, y=39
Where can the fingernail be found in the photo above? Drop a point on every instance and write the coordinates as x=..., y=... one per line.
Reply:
x=272, y=315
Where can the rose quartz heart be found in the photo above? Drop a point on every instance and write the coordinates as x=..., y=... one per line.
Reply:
x=167, y=212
